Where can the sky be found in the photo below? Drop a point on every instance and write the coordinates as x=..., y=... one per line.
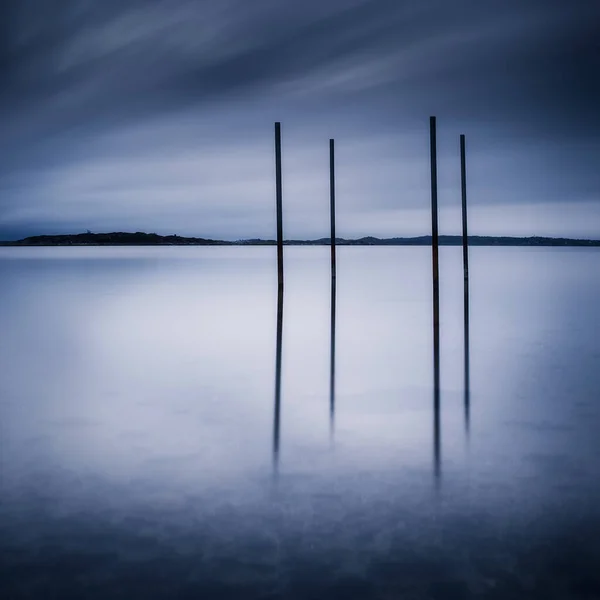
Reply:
x=156, y=115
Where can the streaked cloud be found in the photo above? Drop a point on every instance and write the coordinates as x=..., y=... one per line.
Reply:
x=154, y=115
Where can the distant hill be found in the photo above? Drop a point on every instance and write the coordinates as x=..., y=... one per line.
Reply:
x=153, y=239
x=114, y=239
x=450, y=240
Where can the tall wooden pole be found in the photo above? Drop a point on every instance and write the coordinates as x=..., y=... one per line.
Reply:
x=279, y=194
x=465, y=246
x=436, y=299
x=434, y=234
x=332, y=202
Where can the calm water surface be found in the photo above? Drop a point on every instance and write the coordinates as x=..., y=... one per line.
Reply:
x=143, y=453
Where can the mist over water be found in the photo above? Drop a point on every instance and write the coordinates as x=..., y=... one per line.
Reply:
x=146, y=449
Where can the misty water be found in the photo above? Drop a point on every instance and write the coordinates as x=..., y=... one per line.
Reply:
x=142, y=454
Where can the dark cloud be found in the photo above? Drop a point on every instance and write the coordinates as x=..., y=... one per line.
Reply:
x=89, y=87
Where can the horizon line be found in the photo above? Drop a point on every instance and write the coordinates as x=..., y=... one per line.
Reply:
x=320, y=240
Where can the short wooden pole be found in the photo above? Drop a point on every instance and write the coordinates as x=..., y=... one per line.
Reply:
x=332, y=202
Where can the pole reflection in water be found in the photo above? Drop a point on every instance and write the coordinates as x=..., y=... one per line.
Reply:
x=467, y=379
x=332, y=362
x=333, y=290
x=277, y=414
x=436, y=413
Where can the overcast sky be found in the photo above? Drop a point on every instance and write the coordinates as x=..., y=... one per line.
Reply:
x=158, y=115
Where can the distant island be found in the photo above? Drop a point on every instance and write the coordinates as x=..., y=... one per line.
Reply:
x=153, y=239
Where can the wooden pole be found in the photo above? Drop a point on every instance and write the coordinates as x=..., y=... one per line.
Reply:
x=332, y=202
x=434, y=234
x=436, y=298
x=279, y=195
x=465, y=247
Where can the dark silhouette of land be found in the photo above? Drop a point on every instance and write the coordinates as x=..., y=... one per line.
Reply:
x=153, y=239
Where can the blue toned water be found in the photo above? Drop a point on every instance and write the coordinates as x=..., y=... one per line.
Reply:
x=142, y=455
